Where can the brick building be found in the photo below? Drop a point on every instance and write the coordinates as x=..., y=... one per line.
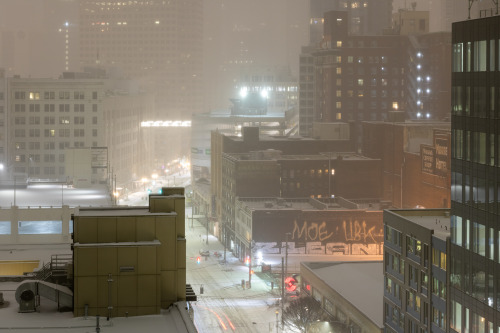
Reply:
x=415, y=161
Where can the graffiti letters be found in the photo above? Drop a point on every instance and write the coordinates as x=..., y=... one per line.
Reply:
x=313, y=232
x=351, y=232
x=355, y=231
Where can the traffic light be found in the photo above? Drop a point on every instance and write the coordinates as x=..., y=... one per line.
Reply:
x=291, y=283
x=149, y=191
x=247, y=261
x=160, y=191
x=198, y=260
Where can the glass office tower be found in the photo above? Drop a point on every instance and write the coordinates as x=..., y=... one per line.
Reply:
x=474, y=283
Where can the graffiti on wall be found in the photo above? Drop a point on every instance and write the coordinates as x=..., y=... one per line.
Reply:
x=342, y=235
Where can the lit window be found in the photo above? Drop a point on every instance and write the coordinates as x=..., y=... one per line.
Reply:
x=34, y=95
x=339, y=70
x=338, y=105
x=395, y=105
x=339, y=43
x=360, y=82
x=339, y=115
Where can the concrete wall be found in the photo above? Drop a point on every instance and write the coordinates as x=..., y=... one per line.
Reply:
x=15, y=214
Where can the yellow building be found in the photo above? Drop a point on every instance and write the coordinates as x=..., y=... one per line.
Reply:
x=130, y=261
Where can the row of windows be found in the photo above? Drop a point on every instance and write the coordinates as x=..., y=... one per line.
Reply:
x=477, y=56
x=463, y=319
x=52, y=107
x=474, y=237
x=476, y=192
x=50, y=133
x=34, y=95
x=51, y=120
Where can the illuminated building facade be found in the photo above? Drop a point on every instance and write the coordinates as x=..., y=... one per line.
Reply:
x=475, y=185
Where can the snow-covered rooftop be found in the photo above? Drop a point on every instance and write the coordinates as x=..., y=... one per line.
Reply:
x=359, y=283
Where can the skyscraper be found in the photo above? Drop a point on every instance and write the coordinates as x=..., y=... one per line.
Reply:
x=157, y=42
x=475, y=190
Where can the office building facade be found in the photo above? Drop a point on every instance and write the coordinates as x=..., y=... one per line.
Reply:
x=162, y=46
x=475, y=185
x=47, y=116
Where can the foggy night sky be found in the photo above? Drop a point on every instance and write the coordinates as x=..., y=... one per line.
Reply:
x=269, y=32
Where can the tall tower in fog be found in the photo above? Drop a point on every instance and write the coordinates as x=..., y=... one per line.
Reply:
x=157, y=42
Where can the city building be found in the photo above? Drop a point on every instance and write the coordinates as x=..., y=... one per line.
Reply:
x=250, y=140
x=368, y=17
x=365, y=18
x=47, y=116
x=475, y=186
x=162, y=46
x=416, y=270
x=312, y=226
x=276, y=84
x=415, y=161
x=130, y=261
x=270, y=174
x=366, y=77
x=356, y=78
x=428, y=76
x=131, y=147
x=161, y=49
x=348, y=290
x=82, y=128
x=276, y=122
x=3, y=117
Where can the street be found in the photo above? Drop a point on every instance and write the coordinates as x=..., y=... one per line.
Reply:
x=224, y=304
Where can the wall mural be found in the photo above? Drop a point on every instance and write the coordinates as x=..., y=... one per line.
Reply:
x=342, y=232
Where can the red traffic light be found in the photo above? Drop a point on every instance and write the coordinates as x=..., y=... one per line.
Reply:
x=198, y=260
x=290, y=283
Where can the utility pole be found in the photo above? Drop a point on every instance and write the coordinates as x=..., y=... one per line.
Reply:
x=225, y=241
x=206, y=218
x=250, y=267
x=286, y=261
x=282, y=292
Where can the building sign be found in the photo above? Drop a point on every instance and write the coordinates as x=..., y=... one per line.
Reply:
x=99, y=157
x=442, y=147
x=435, y=159
x=428, y=154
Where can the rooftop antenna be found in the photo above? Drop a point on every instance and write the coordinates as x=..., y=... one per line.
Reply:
x=471, y=2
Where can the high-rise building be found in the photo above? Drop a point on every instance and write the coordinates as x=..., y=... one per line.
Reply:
x=360, y=18
x=159, y=42
x=354, y=78
x=358, y=78
x=475, y=186
x=368, y=17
